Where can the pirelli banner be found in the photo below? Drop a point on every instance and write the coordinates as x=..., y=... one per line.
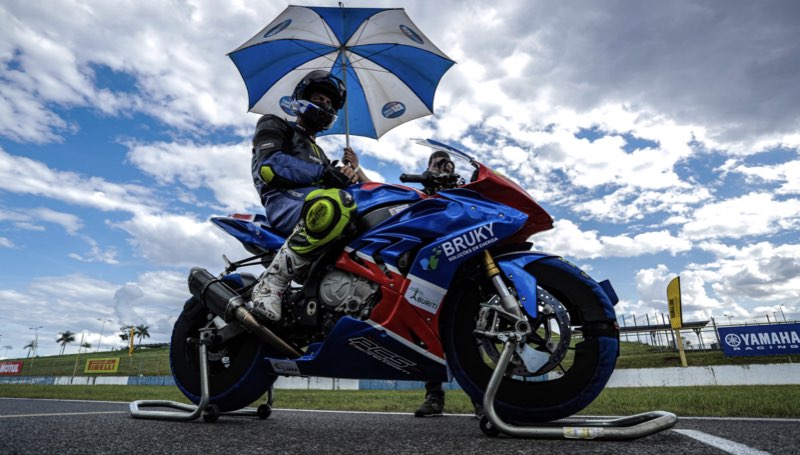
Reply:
x=102, y=365
x=772, y=339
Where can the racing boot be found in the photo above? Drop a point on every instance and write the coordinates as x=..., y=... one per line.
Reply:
x=268, y=291
x=433, y=405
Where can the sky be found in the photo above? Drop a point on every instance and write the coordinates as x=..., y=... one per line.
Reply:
x=663, y=137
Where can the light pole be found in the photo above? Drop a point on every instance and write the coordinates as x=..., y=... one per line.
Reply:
x=729, y=319
x=102, y=327
x=782, y=313
x=35, y=339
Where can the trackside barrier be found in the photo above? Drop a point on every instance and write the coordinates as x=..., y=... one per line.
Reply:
x=773, y=374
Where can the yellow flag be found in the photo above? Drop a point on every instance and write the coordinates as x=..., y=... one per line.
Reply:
x=674, y=302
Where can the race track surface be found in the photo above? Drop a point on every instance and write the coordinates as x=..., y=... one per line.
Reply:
x=66, y=427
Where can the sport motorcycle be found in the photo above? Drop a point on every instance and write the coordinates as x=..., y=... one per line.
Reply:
x=420, y=288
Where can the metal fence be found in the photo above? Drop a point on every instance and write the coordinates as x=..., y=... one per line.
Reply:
x=654, y=330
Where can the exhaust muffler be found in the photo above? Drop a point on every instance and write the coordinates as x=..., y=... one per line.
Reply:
x=226, y=303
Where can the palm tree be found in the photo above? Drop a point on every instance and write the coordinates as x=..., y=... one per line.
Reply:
x=125, y=332
x=142, y=332
x=85, y=345
x=30, y=347
x=66, y=337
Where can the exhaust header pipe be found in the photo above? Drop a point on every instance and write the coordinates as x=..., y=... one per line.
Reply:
x=225, y=302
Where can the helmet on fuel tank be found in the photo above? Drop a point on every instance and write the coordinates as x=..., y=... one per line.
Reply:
x=316, y=116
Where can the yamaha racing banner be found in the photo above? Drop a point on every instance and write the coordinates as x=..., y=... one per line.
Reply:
x=770, y=339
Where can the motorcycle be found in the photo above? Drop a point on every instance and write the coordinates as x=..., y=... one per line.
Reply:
x=423, y=287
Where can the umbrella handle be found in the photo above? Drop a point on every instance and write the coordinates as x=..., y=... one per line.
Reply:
x=346, y=110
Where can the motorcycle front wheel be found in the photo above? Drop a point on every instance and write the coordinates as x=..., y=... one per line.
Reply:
x=575, y=327
x=237, y=374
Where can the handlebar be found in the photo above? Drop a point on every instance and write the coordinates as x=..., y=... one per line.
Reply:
x=433, y=182
x=413, y=178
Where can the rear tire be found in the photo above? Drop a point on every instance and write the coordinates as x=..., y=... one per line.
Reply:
x=545, y=395
x=237, y=374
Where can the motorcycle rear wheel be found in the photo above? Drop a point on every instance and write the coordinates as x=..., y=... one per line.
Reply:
x=542, y=396
x=237, y=374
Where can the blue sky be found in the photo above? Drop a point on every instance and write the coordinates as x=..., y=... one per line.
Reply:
x=662, y=136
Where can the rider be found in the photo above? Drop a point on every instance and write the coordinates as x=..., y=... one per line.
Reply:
x=301, y=190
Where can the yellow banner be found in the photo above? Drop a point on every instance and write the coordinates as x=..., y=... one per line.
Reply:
x=674, y=302
x=102, y=365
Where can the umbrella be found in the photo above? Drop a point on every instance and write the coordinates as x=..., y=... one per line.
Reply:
x=388, y=65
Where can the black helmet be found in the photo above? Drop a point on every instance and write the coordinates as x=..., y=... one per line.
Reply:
x=445, y=166
x=318, y=118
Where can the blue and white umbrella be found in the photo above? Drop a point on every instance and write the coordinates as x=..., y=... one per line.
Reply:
x=388, y=65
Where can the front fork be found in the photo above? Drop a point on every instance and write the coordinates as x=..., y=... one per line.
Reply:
x=508, y=306
x=505, y=307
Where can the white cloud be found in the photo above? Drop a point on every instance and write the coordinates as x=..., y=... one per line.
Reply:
x=156, y=302
x=696, y=303
x=748, y=215
x=761, y=272
x=786, y=174
x=26, y=176
x=567, y=238
x=178, y=240
x=222, y=169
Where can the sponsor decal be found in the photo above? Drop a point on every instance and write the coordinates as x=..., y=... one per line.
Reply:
x=397, y=209
x=286, y=105
x=411, y=34
x=286, y=367
x=431, y=262
x=761, y=339
x=10, y=368
x=278, y=28
x=424, y=295
x=381, y=354
x=102, y=365
x=393, y=109
x=472, y=241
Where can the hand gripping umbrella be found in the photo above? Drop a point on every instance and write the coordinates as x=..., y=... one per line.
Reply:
x=388, y=65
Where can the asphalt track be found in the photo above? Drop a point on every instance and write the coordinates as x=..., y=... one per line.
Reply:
x=66, y=427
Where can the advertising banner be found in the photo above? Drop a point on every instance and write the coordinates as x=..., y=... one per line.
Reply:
x=771, y=339
x=674, y=303
x=102, y=365
x=10, y=368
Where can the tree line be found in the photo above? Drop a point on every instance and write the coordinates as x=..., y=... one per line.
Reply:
x=66, y=337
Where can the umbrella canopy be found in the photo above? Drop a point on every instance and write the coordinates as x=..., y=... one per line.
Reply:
x=388, y=65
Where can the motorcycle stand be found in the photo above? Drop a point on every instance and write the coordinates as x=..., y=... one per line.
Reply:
x=210, y=412
x=623, y=428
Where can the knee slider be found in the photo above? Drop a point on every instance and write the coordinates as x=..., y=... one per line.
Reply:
x=327, y=212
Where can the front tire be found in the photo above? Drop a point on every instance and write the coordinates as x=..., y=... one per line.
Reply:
x=237, y=374
x=563, y=388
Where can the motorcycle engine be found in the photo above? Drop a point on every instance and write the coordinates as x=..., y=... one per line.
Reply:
x=343, y=292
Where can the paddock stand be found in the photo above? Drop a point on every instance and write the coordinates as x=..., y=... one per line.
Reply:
x=623, y=428
x=188, y=412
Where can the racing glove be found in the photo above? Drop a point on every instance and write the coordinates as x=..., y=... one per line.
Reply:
x=332, y=178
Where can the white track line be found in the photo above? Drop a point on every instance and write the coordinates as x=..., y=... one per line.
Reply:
x=721, y=443
x=61, y=414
